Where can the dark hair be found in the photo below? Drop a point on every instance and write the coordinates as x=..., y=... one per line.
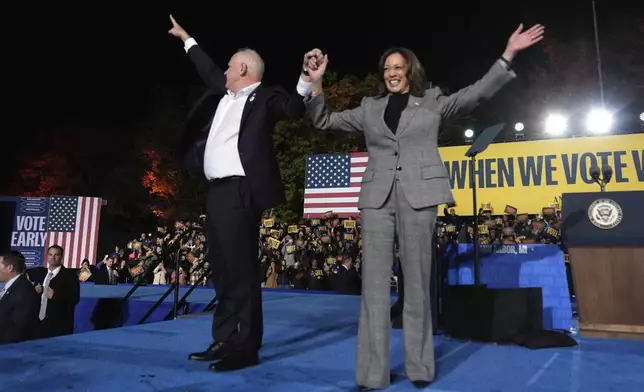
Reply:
x=60, y=248
x=415, y=72
x=14, y=259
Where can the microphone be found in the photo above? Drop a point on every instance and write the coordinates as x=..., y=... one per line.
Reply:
x=594, y=173
x=607, y=173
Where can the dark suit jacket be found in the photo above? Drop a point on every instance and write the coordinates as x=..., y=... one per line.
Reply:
x=19, y=309
x=59, y=319
x=101, y=275
x=264, y=108
x=348, y=281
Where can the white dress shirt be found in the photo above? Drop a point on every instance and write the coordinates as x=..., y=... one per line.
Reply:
x=221, y=158
x=43, y=297
x=55, y=272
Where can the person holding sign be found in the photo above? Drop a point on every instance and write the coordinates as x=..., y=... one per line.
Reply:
x=228, y=139
x=403, y=184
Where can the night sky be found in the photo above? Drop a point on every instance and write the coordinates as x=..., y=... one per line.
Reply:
x=85, y=64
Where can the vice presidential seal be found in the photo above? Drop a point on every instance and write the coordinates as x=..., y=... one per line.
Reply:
x=605, y=213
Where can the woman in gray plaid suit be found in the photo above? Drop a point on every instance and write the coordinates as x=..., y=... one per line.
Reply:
x=402, y=186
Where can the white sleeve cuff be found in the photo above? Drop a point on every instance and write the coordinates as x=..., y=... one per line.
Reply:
x=190, y=42
x=303, y=88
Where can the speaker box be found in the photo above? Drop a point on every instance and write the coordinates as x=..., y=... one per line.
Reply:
x=476, y=312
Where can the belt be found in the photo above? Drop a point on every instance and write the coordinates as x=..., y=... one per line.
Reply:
x=224, y=179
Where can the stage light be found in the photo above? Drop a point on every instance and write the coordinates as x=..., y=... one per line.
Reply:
x=518, y=127
x=642, y=116
x=469, y=133
x=599, y=121
x=556, y=124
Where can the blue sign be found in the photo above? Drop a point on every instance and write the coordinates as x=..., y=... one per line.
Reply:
x=29, y=233
x=514, y=266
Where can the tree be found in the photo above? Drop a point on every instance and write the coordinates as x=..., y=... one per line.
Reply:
x=48, y=174
x=294, y=141
x=54, y=164
x=160, y=181
x=172, y=192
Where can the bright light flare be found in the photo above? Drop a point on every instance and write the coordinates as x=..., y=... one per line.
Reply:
x=556, y=124
x=469, y=133
x=599, y=121
x=519, y=127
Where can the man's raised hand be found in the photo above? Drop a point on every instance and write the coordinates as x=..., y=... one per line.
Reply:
x=177, y=30
x=315, y=63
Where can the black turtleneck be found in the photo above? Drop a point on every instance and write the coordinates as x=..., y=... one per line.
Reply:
x=397, y=103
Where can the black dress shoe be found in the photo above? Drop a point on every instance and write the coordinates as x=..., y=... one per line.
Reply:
x=421, y=384
x=234, y=362
x=215, y=352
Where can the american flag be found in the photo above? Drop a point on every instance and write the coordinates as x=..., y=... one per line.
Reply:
x=73, y=224
x=333, y=184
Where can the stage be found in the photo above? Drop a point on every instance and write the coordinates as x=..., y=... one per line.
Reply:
x=100, y=307
x=542, y=266
x=309, y=345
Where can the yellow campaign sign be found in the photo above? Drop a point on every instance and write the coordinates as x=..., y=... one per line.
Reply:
x=275, y=244
x=532, y=175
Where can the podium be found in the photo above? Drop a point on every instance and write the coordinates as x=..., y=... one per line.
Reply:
x=604, y=234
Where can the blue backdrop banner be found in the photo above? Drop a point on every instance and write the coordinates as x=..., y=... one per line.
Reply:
x=29, y=227
x=514, y=266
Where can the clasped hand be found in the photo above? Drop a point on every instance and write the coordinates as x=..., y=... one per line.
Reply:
x=315, y=64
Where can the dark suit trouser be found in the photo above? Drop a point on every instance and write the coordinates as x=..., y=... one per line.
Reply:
x=231, y=230
x=56, y=327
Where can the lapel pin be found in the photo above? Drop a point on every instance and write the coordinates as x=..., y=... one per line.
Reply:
x=252, y=98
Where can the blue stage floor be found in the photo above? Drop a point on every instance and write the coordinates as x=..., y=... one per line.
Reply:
x=144, y=293
x=309, y=346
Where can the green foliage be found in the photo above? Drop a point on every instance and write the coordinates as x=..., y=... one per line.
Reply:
x=296, y=140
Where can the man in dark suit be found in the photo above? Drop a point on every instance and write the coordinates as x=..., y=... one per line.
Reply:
x=348, y=280
x=105, y=273
x=229, y=140
x=59, y=290
x=19, y=302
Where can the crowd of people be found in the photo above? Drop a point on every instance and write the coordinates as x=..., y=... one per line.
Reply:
x=151, y=258
x=315, y=254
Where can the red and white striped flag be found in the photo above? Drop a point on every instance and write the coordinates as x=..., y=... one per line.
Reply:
x=333, y=183
x=73, y=224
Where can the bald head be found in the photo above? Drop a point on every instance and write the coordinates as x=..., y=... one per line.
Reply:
x=246, y=67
